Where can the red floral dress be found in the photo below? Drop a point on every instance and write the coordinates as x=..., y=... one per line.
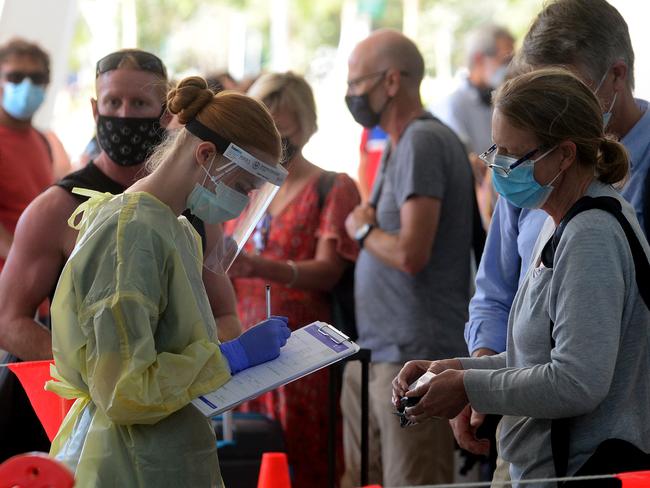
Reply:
x=301, y=406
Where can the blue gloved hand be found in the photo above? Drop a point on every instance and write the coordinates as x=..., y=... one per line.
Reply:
x=257, y=345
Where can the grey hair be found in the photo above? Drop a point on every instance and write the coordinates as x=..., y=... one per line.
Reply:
x=484, y=41
x=590, y=35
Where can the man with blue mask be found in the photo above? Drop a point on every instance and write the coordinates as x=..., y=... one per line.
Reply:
x=26, y=164
x=591, y=38
x=468, y=109
x=131, y=87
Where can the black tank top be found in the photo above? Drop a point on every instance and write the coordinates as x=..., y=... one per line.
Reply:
x=92, y=178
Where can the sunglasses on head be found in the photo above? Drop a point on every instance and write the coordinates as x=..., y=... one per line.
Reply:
x=38, y=77
x=146, y=61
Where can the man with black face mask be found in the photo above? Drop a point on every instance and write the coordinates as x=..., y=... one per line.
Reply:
x=131, y=87
x=412, y=277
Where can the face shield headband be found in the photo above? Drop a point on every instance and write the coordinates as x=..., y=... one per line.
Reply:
x=266, y=180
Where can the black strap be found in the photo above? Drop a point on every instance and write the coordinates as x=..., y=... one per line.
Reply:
x=561, y=428
x=646, y=204
x=613, y=207
x=47, y=145
x=324, y=185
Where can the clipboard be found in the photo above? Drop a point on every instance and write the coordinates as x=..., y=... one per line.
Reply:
x=309, y=349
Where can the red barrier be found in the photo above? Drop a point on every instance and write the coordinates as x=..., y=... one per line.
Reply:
x=635, y=479
x=50, y=408
x=34, y=470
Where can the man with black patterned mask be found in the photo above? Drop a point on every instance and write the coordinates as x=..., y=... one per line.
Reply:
x=131, y=87
x=128, y=107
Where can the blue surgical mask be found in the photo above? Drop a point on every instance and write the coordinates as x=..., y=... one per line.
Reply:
x=220, y=205
x=498, y=77
x=519, y=187
x=21, y=100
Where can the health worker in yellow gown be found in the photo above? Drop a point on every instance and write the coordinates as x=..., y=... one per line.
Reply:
x=134, y=338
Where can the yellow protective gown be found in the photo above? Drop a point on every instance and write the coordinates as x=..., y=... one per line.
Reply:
x=134, y=341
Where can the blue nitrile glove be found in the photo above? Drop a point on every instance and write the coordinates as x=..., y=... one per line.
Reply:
x=257, y=345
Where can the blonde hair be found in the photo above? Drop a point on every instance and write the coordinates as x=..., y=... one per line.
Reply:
x=235, y=117
x=556, y=106
x=290, y=92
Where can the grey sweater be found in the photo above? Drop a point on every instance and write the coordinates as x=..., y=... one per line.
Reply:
x=599, y=370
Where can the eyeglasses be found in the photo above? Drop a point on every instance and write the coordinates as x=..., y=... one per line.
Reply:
x=38, y=78
x=359, y=79
x=489, y=156
x=146, y=61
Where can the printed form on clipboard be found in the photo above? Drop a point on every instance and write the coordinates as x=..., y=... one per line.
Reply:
x=309, y=349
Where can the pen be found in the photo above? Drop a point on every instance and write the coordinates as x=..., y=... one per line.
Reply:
x=268, y=301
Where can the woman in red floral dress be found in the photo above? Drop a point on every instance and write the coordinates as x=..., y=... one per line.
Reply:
x=302, y=249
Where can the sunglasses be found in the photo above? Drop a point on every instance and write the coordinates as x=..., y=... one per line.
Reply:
x=38, y=77
x=146, y=61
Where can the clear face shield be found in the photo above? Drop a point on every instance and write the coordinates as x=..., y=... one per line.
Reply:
x=240, y=189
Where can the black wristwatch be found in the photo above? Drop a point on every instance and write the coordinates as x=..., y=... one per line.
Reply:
x=362, y=232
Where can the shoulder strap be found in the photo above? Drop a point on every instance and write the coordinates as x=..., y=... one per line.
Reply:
x=613, y=207
x=47, y=144
x=324, y=185
x=560, y=428
x=646, y=204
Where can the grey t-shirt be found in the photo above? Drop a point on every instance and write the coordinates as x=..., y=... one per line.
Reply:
x=401, y=316
x=599, y=369
x=470, y=117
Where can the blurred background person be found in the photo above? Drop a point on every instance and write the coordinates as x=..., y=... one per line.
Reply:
x=373, y=143
x=302, y=249
x=26, y=169
x=468, y=110
x=26, y=157
x=221, y=80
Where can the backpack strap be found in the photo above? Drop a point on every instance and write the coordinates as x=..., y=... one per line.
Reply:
x=646, y=204
x=560, y=428
x=47, y=144
x=612, y=206
x=324, y=185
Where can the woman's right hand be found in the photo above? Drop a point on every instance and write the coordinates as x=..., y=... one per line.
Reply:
x=412, y=370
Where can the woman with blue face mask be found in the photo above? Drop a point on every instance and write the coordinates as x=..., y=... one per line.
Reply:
x=577, y=361
x=133, y=334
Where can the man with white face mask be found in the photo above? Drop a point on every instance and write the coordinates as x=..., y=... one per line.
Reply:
x=468, y=109
x=26, y=163
x=591, y=38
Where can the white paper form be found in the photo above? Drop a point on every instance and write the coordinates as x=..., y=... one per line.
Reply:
x=307, y=350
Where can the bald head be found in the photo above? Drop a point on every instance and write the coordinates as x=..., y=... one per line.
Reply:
x=385, y=49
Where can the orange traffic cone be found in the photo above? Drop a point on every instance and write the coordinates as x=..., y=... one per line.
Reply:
x=274, y=472
x=50, y=408
x=636, y=479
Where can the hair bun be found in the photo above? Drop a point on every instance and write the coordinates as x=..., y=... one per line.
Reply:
x=613, y=164
x=188, y=98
